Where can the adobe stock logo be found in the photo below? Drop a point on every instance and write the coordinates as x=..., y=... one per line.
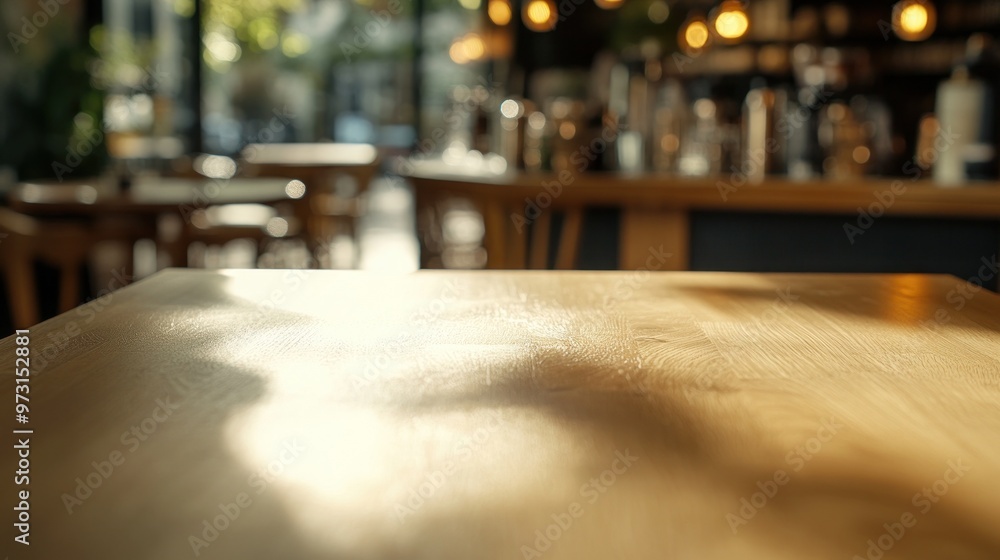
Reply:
x=592, y=491
x=796, y=459
x=924, y=500
x=47, y=9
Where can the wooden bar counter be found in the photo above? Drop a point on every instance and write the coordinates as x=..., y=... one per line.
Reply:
x=656, y=209
x=512, y=415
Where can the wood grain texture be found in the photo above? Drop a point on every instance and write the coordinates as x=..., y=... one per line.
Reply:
x=509, y=400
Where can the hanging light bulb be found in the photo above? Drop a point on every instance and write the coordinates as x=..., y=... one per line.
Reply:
x=730, y=21
x=608, y=4
x=693, y=35
x=499, y=11
x=540, y=15
x=914, y=20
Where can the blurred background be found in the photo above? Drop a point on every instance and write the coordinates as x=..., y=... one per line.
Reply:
x=758, y=135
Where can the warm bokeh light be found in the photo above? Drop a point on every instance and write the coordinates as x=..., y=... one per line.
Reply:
x=475, y=48
x=467, y=48
x=567, y=130
x=295, y=189
x=540, y=15
x=913, y=20
x=512, y=109
x=694, y=34
x=861, y=155
x=730, y=20
x=608, y=4
x=470, y=4
x=457, y=52
x=499, y=11
x=658, y=11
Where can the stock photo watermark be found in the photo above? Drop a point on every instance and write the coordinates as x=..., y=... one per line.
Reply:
x=423, y=317
x=437, y=479
x=60, y=339
x=780, y=305
x=580, y=159
x=784, y=128
x=259, y=481
x=213, y=187
x=88, y=134
x=767, y=489
x=132, y=439
x=886, y=198
x=365, y=34
x=428, y=145
x=963, y=292
x=625, y=288
x=590, y=493
x=30, y=26
x=922, y=501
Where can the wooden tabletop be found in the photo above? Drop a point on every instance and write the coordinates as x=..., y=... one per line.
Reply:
x=515, y=415
x=319, y=154
x=895, y=196
x=149, y=195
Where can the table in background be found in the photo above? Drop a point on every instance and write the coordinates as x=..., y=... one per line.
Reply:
x=149, y=195
x=320, y=165
x=467, y=415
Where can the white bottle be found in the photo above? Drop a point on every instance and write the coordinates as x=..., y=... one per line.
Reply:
x=959, y=107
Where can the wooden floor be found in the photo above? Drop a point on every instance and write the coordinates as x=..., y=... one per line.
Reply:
x=517, y=415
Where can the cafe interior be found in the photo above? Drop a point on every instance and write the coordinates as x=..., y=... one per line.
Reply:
x=764, y=136
x=756, y=157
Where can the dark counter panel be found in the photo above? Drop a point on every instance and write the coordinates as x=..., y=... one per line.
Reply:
x=767, y=242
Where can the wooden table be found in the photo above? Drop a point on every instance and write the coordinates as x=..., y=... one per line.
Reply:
x=656, y=208
x=319, y=164
x=515, y=415
x=312, y=155
x=155, y=195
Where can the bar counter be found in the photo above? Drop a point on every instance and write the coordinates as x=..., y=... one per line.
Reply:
x=656, y=209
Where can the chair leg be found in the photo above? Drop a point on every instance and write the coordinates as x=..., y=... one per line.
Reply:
x=539, y=258
x=569, y=239
x=178, y=251
x=496, y=235
x=517, y=241
x=21, y=291
x=69, y=286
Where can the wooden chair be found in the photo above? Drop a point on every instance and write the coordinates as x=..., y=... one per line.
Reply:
x=509, y=247
x=63, y=244
x=568, y=247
